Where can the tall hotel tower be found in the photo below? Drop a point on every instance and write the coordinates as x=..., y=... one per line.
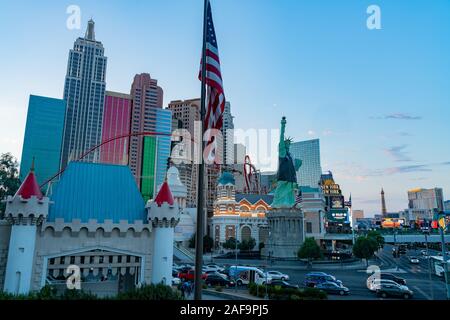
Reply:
x=309, y=152
x=148, y=154
x=84, y=92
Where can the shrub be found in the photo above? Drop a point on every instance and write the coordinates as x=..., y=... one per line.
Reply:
x=146, y=292
x=151, y=292
x=279, y=293
x=218, y=288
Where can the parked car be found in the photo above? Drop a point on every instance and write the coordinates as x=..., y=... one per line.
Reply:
x=333, y=288
x=185, y=269
x=176, y=281
x=414, y=260
x=394, y=290
x=216, y=273
x=386, y=276
x=314, y=278
x=375, y=284
x=277, y=275
x=283, y=284
x=423, y=252
x=175, y=272
x=214, y=267
x=190, y=275
x=216, y=279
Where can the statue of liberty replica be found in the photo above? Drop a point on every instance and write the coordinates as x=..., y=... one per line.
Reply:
x=285, y=219
x=285, y=192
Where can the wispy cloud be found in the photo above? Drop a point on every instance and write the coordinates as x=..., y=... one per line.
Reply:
x=398, y=116
x=407, y=169
x=398, y=153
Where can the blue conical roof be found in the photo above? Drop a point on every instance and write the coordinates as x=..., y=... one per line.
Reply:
x=227, y=178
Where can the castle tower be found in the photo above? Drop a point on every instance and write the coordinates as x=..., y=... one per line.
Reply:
x=383, y=204
x=178, y=189
x=26, y=210
x=164, y=214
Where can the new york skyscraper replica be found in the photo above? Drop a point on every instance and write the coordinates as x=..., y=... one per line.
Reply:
x=285, y=220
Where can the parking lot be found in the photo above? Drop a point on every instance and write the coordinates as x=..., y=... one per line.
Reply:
x=417, y=276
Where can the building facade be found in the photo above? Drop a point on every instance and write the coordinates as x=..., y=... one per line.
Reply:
x=228, y=135
x=238, y=215
x=116, y=122
x=43, y=137
x=312, y=204
x=95, y=218
x=428, y=199
x=84, y=92
x=148, y=116
x=357, y=215
x=311, y=170
x=187, y=112
x=447, y=205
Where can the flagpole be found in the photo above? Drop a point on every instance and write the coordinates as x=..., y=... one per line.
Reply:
x=200, y=190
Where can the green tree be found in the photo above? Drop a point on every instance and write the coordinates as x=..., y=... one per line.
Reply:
x=364, y=248
x=230, y=244
x=376, y=235
x=247, y=245
x=208, y=243
x=261, y=246
x=192, y=241
x=309, y=250
x=9, y=177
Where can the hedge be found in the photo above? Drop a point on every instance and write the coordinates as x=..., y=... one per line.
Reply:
x=279, y=293
x=146, y=292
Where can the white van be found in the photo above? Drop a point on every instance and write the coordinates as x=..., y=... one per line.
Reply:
x=245, y=275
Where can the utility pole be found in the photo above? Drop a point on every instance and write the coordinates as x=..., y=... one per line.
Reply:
x=198, y=285
x=397, y=252
x=426, y=233
x=444, y=254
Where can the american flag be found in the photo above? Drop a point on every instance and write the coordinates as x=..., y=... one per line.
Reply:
x=215, y=95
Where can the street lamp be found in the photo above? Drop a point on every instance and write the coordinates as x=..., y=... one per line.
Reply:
x=236, y=254
x=444, y=253
x=397, y=252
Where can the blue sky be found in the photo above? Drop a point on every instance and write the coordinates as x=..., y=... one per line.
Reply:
x=379, y=100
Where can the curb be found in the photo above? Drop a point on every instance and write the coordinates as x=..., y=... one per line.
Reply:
x=228, y=296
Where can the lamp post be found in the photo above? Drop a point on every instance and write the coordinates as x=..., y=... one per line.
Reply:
x=426, y=233
x=236, y=254
x=444, y=254
x=397, y=252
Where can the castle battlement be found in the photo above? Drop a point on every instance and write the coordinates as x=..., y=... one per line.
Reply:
x=93, y=226
x=30, y=210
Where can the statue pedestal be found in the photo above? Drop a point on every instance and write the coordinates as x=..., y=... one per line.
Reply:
x=285, y=232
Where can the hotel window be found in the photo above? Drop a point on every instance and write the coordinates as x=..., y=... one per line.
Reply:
x=308, y=227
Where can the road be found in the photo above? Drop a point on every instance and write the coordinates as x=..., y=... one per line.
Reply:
x=416, y=275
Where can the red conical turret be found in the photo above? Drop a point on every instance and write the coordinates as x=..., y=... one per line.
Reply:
x=164, y=195
x=30, y=186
